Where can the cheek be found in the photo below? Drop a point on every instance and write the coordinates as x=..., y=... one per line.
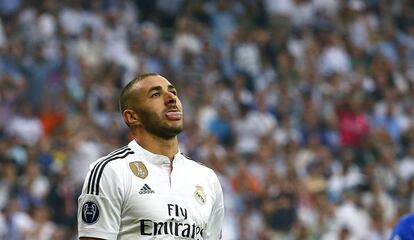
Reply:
x=179, y=105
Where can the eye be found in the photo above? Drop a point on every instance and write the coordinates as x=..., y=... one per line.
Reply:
x=174, y=92
x=156, y=94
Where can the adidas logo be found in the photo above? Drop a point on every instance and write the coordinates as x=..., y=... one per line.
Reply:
x=146, y=189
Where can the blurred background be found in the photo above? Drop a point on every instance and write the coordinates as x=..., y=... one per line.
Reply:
x=304, y=108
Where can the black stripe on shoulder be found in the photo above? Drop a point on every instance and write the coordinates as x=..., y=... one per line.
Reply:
x=105, y=163
x=116, y=151
x=92, y=176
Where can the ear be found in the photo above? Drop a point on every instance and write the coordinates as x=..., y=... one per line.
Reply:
x=131, y=118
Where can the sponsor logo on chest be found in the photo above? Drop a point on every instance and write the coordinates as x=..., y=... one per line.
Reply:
x=177, y=225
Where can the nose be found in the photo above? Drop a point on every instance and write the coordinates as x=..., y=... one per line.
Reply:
x=170, y=98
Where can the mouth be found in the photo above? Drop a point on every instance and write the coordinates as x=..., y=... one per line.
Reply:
x=173, y=114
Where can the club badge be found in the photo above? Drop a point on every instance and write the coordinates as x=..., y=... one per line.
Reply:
x=139, y=169
x=90, y=212
x=199, y=195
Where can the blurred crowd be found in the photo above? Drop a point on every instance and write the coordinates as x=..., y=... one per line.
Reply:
x=304, y=108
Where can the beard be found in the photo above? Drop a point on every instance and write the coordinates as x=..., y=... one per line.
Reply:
x=153, y=123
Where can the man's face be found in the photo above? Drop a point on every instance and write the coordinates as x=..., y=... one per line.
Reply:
x=158, y=107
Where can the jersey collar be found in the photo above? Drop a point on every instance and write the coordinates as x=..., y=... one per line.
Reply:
x=154, y=158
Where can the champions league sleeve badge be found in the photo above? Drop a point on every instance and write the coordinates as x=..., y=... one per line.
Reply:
x=90, y=212
x=199, y=195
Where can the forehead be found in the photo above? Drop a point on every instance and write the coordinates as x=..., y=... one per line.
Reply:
x=152, y=81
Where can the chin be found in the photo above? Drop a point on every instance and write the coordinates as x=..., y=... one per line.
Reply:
x=172, y=133
x=177, y=129
x=176, y=124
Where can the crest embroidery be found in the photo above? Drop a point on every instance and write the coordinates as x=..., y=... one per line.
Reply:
x=139, y=169
x=199, y=195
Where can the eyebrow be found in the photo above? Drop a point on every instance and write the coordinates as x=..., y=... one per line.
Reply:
x=159, y=88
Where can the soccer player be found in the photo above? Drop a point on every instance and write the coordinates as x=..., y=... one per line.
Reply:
x=148, y=189
x=404, y=229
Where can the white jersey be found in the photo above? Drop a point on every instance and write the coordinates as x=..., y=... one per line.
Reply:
x=135, y=194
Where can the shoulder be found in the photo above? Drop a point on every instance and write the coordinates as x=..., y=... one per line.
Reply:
x=113, y=158
x=111, y=164
x=103, y=171
x=406, y=220
x=196, y=165
x=199, y=169
x=404, y=228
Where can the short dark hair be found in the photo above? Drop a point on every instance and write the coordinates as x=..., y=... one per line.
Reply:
x=125, y=96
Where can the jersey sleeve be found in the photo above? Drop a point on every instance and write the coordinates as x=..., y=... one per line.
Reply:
x=215, y=222
x=99, y=205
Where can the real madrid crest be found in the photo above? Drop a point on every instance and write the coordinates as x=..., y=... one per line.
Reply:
x=139, y=169
x=199, y=194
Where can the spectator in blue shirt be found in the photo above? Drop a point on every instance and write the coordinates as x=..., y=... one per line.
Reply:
x=404, y=229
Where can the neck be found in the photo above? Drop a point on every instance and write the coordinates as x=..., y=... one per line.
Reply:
x=154, y=144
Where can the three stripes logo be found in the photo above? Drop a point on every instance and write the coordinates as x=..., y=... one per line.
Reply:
x=146, y=189
x=97, y=171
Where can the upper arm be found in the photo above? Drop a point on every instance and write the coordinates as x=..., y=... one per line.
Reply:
x=216, y=219
x=99, y=205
